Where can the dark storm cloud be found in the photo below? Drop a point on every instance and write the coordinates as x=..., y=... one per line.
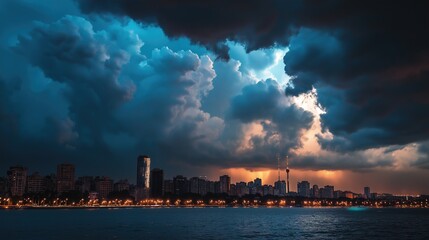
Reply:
x=265, y=101
x=371, y=100
x=68, y=51
x=369, y=56
x=257, y=101
x=423, y=160
x=209, y=22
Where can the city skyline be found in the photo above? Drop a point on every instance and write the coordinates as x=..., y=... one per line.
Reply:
x=65, y=181
x=212, y=89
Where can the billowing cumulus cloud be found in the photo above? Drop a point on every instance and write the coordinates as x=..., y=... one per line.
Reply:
x=103, y=97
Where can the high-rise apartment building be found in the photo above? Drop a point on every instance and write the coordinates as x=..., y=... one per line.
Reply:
x=143, y=178
x=181, y=185
x=103, y=186
x=121, y=185
x=17, y=180
x=157, y=183
x=168, y=187
x=225, y=182
x=36, y=183
x=367, y=192
x=3, y=186
x=280, y=188
x=327, y=192
x=85, y=184
x=65, y=178
x=303, y=189
x=315, y=191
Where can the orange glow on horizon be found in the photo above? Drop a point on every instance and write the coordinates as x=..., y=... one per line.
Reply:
x=242, y=174
x=269, y=176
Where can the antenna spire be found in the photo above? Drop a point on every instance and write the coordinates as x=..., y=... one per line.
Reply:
x=287, y=174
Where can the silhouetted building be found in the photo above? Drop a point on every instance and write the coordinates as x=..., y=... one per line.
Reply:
x=348, y=194
x=103, y=186
x=303, y=189
x=198, y=185
x=65, y=178
x=3, y=186
x=367, y=192
x=143, y=177
x=121, y=185
x=338, y=194
x=242, y=189
x=181, y=185
x=280, y=188
x=17, y=180
x=257, y=184
x=232, y=190
x=315, y=191
x=327, y=191
x=210, y=186
x=225, y=182
x=252, y=188
x=267, y=190
x=36, y=183
x=168, y=187
x=157, y=183
x=193, y=185
x=85, y=184
x=216, y=187
x=202, y=186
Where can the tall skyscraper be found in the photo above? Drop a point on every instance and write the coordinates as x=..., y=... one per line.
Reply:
x=143, y=172
x=143, y=177
x=287, y=174
x=157, y=183
x=17, y=180
x=303, y=189
x=225, y=182
x=65, y=178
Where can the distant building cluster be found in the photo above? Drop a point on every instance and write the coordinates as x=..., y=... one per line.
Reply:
x=150, y=183
x=19, y=183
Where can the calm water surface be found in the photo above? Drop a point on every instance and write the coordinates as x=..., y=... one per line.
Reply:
x=215, y=223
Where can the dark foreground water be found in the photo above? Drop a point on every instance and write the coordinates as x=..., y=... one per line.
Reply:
x=215, y=223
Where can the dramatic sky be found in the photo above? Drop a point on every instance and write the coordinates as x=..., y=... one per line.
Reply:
x=219, y=87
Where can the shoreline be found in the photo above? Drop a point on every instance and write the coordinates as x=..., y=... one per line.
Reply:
x=12, y=207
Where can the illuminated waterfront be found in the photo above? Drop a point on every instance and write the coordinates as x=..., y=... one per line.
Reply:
x=215, y=223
